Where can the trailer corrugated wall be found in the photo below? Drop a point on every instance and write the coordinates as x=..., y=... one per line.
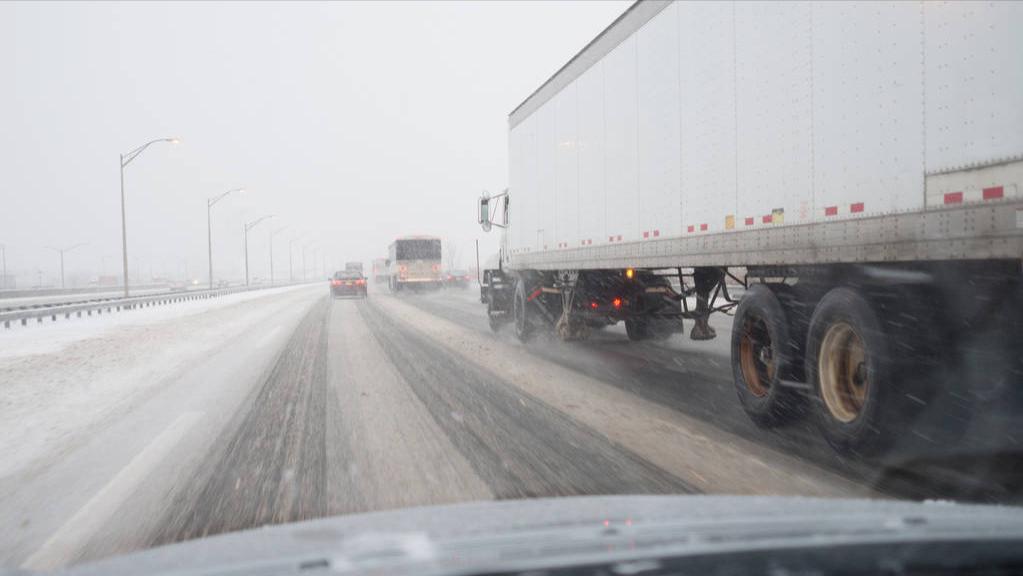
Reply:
x=698, y=118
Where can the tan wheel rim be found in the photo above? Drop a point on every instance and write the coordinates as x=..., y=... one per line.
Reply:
x=842, y=371
x=756, y=356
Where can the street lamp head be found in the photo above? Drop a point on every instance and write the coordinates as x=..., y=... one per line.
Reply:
x=174, y=140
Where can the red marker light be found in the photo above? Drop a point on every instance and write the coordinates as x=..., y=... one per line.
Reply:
x=593, y=305
x=617, y=302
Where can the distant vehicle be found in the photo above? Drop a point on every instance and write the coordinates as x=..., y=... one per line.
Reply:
x=457, y=279
x=380, y=270
x=845, y=196
x=414, y=262
x=353, y=267
x=178, y=286
x=350, y=283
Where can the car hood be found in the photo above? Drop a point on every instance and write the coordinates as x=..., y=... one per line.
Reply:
x=525, y=534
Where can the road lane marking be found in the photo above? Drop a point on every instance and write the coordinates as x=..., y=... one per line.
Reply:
x=403, y=456
x=711, y=459
x=61, y=547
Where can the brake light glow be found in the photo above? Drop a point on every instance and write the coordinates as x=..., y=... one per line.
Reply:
x=617, y=302
x=360, y=282
x=335, y=282
x=593, y=305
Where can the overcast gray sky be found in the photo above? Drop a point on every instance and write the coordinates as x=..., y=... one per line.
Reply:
x=352, y=122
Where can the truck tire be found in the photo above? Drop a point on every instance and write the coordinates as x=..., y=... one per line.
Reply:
x=797, y=301
x=494, y=321
x=637, y=329
x=645, y=329
x=663, y=319
x=851, y=371
x=760, y=358
x=521, y=312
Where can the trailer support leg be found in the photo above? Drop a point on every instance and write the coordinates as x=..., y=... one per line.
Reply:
x=705, y=280
x=569, y=326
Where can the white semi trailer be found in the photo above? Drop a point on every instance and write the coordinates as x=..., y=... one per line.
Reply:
x=857, y=167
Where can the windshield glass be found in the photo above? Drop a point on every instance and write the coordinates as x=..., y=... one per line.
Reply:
x=418, y=250
x=463, y=271
x=347, y=274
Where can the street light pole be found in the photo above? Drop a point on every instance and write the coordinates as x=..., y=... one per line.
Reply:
x=209, y=226
x=304, y=247
x=250, y=226
x=60, y=251
x=3, y=257
x=125, y=160
x=291, y=270
x=272, y=234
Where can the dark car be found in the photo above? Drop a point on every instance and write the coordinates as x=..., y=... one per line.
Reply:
x=348, y=283
x=457, y=278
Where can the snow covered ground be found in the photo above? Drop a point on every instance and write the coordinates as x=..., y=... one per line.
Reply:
x=59, y=379
x=81, y=297
x=50, y=337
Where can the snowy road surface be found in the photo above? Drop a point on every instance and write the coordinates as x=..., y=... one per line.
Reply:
x=283, y=405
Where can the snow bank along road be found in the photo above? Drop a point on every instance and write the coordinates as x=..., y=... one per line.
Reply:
x=286, y=405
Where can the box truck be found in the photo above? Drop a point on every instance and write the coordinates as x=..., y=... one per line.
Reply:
x=414, y=262
x=856, y=168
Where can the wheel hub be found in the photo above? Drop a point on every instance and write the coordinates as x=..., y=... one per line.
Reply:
x=842, y=371
x=756, y=358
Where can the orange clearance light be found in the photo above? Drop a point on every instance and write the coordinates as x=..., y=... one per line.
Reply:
x=629, y=273
x=617, y=302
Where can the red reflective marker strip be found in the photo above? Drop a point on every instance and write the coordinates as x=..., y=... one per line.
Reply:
x=954, y=198
x=767, y=219
x=646, y=234
x=994, y=193
x=749, y=221
x=535, y=293
x=857, y=207
x=703, y=227
x=657, y=233
x=619, y=237
x=831, y=211
x=691, y=228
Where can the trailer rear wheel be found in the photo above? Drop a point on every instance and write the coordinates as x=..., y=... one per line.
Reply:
x=493, y=319
x=849, y=366
x=646, y=329
x=520, y=310
x=637, y=329
x=760, y=358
